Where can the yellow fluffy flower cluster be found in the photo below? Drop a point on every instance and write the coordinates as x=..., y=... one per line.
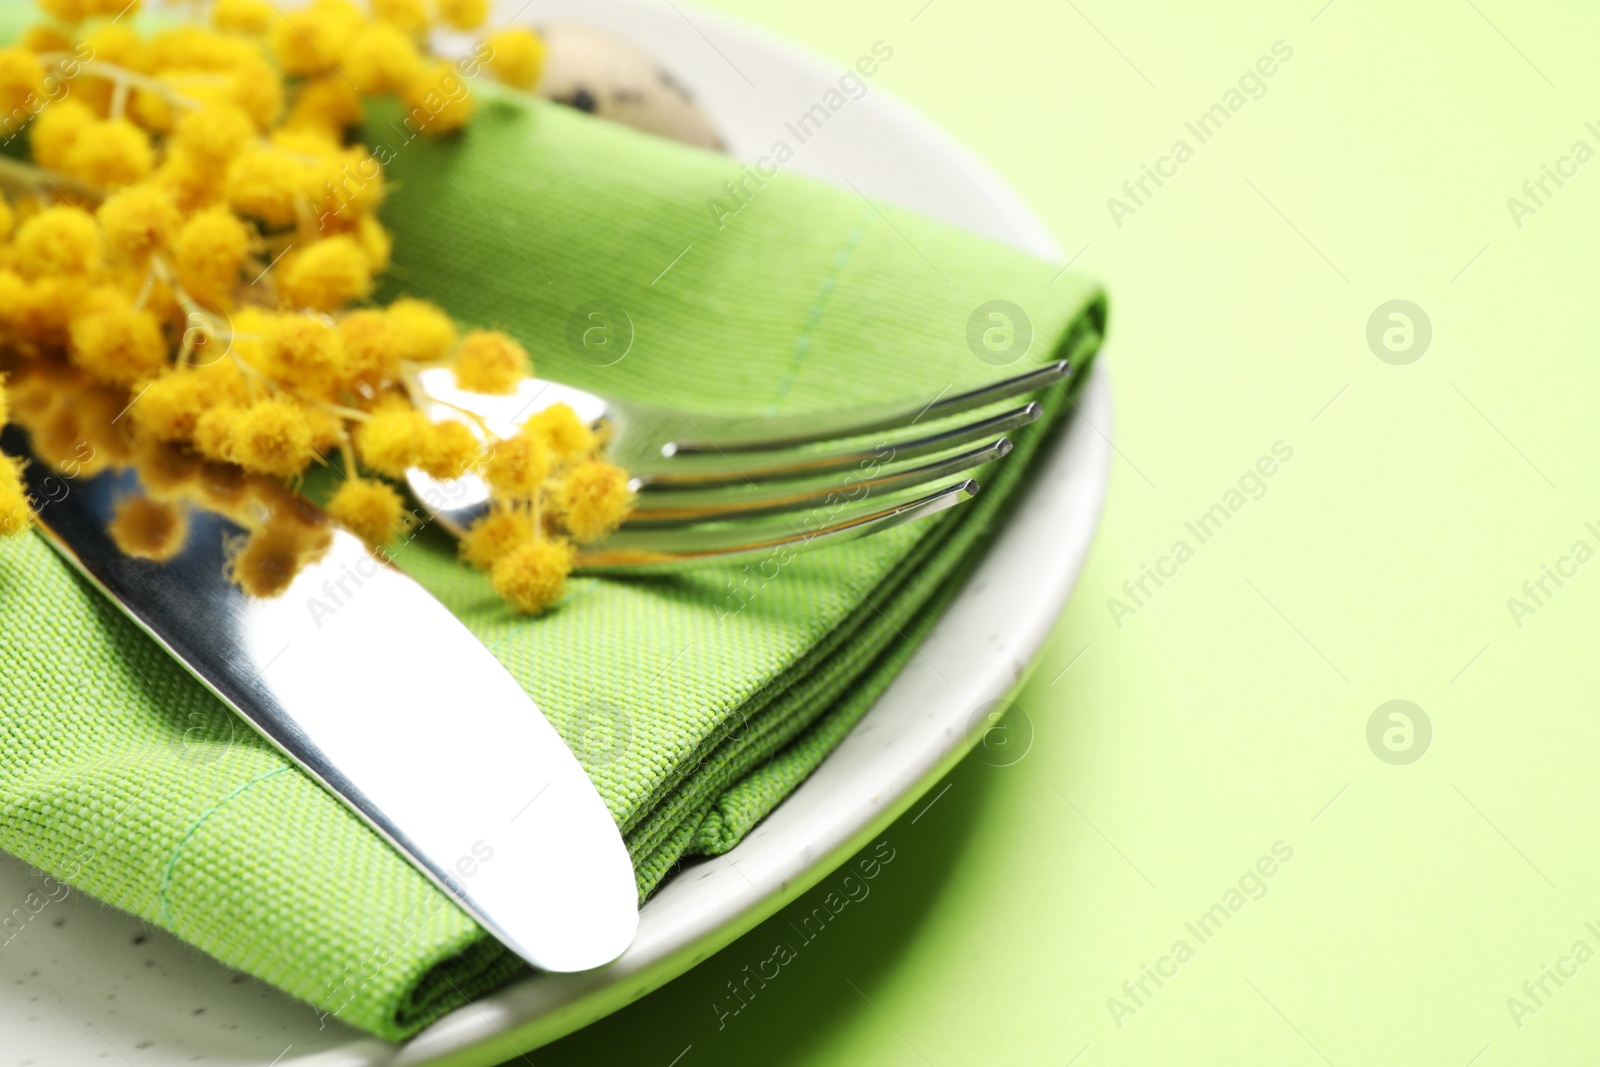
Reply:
x=197, y=231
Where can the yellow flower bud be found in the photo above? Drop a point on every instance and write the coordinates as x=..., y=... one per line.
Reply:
x=533, y=576
x=372, y=344
x=211, y=248
x=57, y=129
x=113, y=341
x=307, y=39
x=191, y=185
x=429, y=334
x=369, y=509
x=382, y=58
x=451, y=450
x=21, y=80
x=59, y=240
x=41, y=39
x=215, y=133
x=213, y=431
x=594, y=499
x=328, y=103
x=169, y=407
x=270, y=185
x=307, y=355
x=439, y=101
x=110, y=154
x=410, y=15
x=271, y=437
x=393, y=440
x=44, y=308
x=118, y=43
x=517, y=467
x=558, y=426
x=516, y=57
x=464, y=14
x=258, y=89
x=251, y=17
x=490, y=362
x=350, y=185
x=139, y=219
x=325, y=276
x=494, y=536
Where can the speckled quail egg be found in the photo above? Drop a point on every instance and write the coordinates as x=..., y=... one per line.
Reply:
x=611, y=79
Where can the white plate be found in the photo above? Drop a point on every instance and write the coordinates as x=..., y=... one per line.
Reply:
x=80, y=984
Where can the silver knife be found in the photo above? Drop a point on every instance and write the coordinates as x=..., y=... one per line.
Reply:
x=377, y=691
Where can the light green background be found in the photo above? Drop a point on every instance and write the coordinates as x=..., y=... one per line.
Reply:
x=1230, y=712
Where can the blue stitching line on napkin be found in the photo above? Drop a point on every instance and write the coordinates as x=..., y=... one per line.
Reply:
x=166, y=878
x=802, y=344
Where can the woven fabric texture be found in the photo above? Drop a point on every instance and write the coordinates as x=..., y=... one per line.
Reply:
x=695, y=702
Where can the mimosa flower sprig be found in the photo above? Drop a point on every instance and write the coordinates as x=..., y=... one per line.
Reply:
x=197, y=227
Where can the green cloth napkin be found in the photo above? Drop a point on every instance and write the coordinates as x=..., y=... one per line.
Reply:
x=696, y=702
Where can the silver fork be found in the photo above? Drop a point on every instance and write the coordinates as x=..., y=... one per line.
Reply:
x=712, y=488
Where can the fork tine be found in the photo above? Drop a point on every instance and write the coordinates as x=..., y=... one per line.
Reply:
x=816, y=462
x=669, y=507
x=855, y=424
x=682, y=549
x=455, y=505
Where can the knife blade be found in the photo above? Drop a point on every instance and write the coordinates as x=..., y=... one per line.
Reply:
x=373, y=688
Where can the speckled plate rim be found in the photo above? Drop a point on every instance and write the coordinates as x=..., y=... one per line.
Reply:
x=930, y=717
